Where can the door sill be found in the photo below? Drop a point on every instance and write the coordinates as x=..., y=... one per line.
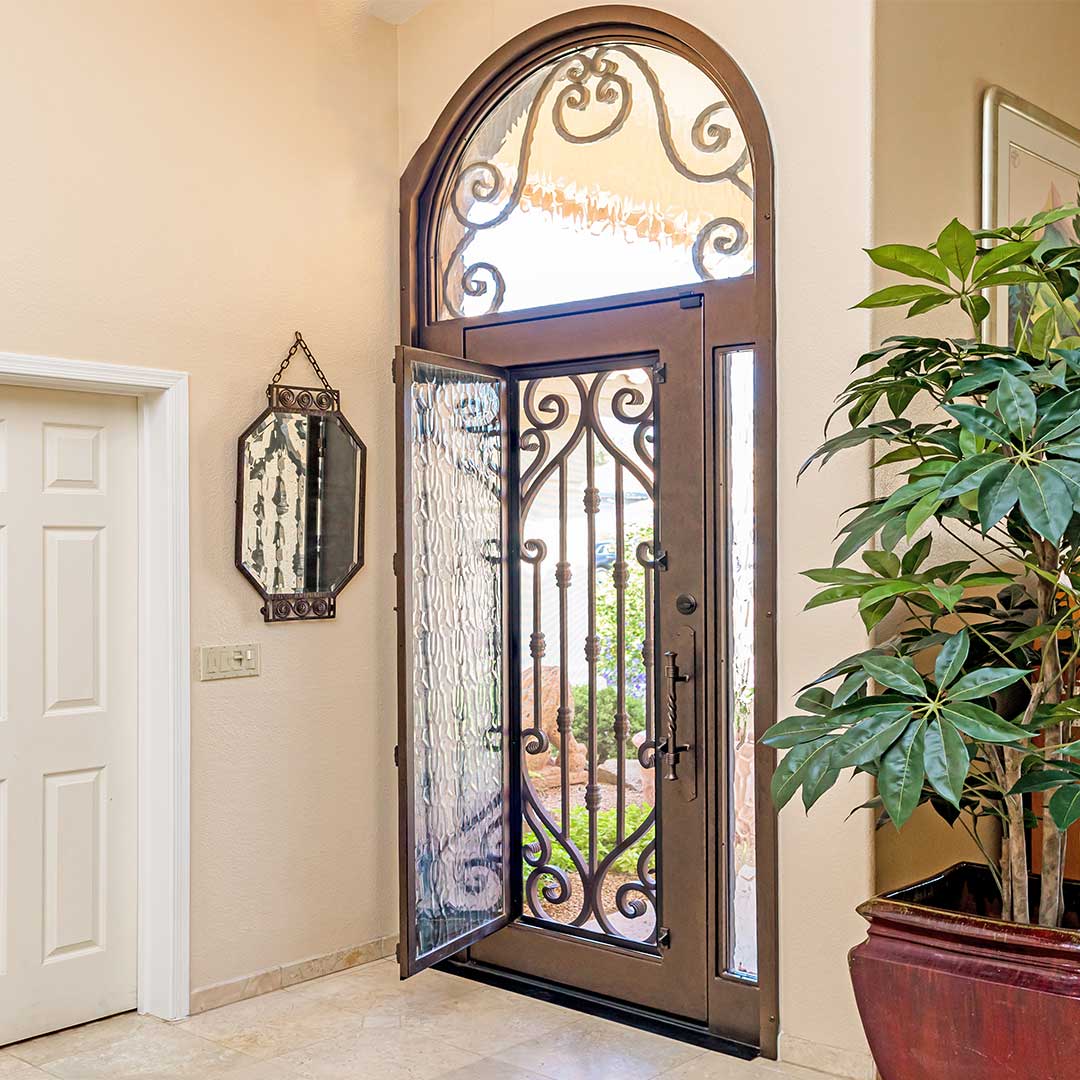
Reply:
x=594, y=1005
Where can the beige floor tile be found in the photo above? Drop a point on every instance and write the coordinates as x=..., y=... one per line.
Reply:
x=77, y=1039
x=265, y=1027
x=492, y=1069
x=14, y=1069
x=713, y=1066
x=383, y=1054
x=489, y=1020
x=376, y=993
x=152, y=1050
x=594, y=1049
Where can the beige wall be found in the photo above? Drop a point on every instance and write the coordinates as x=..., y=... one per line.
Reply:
x=933, y=60
x=811, y=67
x=185, y=182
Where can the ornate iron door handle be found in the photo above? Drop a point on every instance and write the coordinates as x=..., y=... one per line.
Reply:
x=671, y=749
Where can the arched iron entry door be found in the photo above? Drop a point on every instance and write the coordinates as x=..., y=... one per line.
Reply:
x=586, y=520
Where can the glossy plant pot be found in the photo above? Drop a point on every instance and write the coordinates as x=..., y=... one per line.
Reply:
x=947, y=991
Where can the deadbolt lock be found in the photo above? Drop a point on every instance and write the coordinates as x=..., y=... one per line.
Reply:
x=685, y=604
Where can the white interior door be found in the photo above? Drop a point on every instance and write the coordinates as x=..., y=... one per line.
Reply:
x=68, y=721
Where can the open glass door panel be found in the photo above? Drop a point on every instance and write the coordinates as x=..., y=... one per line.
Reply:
x=454, y=722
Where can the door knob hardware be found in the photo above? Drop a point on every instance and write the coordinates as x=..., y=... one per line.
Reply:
x=685, y=604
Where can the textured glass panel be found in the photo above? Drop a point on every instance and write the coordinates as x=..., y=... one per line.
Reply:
x=588, y=510
x=743, y=847
x=615, y=169
x=457, y=676
x=301, y=502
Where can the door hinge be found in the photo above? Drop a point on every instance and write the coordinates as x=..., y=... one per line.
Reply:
x=396, y=571
x=397, y=757
x=690, y=301
x=660, y=373
x=393, y=371
x=663, y=937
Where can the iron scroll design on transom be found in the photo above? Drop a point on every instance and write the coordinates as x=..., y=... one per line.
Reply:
x=556, y=425
x=590, y=76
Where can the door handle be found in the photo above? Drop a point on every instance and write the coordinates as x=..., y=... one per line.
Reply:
x=671, y=749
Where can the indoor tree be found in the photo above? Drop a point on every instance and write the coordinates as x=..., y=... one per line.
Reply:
x=969, y=696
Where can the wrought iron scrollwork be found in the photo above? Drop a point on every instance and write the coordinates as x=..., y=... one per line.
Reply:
x=567, y=423
x=481, y=196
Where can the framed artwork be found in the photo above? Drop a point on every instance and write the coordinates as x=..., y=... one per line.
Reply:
x=1031, y=163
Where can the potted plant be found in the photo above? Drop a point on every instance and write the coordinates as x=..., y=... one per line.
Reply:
x=969, y=696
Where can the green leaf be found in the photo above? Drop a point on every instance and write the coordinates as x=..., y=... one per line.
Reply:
x=1069, y=471
x=916, y=555
x=1045, y=502
x=1048, y=217
x=979, y=421
x=900, y=778
x=981, y=724
x=928, y=303
x=883, y=562
x=1022, y=275
x=983, y=581
x=1042, y=332
x=967, y=474
x=834, y=595
x=948, y=596
x=895, y=673
x=913, y=261
x=947, y=761
x=998, y=494
x=792, y=768
x=896, y=295
x=815, y=700
x=796, y=730
x=1042, y=780
x=984, y=682
x=951, y=659
x=870, y=737
x=881, y=592
x=921, y=512
x=849, y=687
x=976, y=306
x=912, y=492
x=1016, y=403
x=1064, y=806
x=840, y=575
x=817, y=782
x=997, y=258
x=956, y=246
x=1058, y=419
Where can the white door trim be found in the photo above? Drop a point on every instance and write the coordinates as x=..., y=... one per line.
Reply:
x=164, y=722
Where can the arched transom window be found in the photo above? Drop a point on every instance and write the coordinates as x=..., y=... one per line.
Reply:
x=612, y=169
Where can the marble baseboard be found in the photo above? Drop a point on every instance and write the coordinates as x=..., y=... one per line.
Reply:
x=283, y=975
x=831, y=1060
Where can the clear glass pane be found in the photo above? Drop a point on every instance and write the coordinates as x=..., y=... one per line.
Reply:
x=742, y=944
x=456, y=579
x=587, y=585
x=615, y=169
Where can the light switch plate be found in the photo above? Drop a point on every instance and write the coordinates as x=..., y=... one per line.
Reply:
x=229, y=661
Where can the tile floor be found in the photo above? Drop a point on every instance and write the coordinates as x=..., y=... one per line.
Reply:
x=365, y=1024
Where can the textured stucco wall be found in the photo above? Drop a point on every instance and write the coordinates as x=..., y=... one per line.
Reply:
x=185, y=183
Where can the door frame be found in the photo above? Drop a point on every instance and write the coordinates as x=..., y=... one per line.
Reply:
x=163, y=665
x=739, y=313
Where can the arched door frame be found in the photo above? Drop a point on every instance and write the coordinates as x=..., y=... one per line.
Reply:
x=739, y=312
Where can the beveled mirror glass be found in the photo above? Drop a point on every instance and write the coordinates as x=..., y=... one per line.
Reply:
x=300, y=503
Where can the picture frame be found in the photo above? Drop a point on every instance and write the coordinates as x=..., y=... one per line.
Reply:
x=1030, y=163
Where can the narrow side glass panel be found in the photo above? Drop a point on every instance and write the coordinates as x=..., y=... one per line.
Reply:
x=456, y=586
x=742, y=845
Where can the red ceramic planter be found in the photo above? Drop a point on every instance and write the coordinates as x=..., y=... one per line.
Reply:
x=947, y=991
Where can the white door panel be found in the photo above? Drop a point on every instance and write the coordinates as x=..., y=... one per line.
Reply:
x=68, y=721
